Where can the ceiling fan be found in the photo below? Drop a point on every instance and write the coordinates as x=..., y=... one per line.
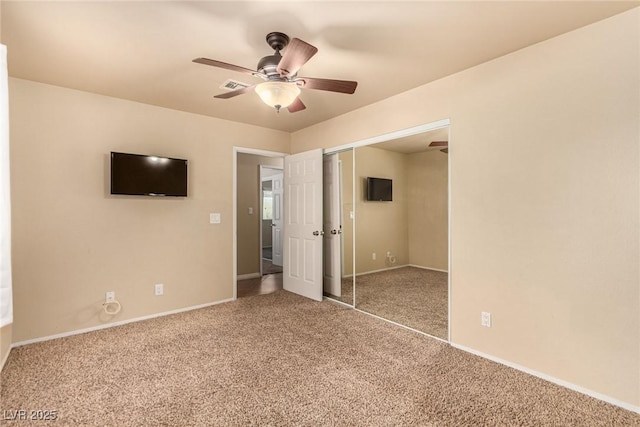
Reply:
x=444, y=144
x=282, y=84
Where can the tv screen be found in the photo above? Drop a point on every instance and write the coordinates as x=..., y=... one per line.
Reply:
x=139, y=175
x=379, y=189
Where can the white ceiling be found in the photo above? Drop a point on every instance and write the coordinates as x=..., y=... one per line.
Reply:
x=142, y=51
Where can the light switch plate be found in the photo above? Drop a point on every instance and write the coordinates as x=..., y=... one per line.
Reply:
x=486, y=319
x=214, y=218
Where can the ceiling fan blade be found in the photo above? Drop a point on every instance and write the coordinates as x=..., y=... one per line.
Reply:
x=342, y=86
x=219, y=64
x=297, y=105
x=296, y=54
x=445, y=150
x=439, y=144
x=236, y=92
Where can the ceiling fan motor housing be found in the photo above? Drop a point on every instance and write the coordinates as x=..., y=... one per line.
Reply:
x=268, y=65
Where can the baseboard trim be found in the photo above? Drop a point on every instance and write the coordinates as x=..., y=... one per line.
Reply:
x=428, y=268
x=118, y=323
x=566, y=384
x=393, y=268
x=364, y=273
x=248, y=276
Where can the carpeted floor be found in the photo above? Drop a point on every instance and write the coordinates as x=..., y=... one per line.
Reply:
x=411, y=296
x=280, y=360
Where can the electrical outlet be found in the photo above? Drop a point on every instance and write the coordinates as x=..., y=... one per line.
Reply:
x=159, y=289
x=486, y=319
x=110, y=296
x=373, y=256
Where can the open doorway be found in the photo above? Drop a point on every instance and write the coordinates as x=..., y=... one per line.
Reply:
x=271, y=222
x=253, y=169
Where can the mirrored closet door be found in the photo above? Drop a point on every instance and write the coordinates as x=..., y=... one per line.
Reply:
x=398, y=192
x=338, y=226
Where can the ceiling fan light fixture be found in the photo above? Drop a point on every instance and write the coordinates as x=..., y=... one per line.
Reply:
x=278, y=94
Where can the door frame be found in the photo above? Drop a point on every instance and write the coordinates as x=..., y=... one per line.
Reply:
x=243, y=150
x=262, y=179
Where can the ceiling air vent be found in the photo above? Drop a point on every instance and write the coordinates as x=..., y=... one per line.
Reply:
x=233, y=85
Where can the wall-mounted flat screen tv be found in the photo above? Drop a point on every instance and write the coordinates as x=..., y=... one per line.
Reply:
x=140, y=175
x=379, y=189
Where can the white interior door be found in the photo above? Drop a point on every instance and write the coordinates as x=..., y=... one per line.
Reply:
x=277, y=222
x=303, y=224
x=332, y=225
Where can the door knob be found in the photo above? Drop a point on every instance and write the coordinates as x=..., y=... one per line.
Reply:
x=334, y=231
x=318, y=233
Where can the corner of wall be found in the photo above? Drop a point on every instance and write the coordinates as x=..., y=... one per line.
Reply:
x=291, y=142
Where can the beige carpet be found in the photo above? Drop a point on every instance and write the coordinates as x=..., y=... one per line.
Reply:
x=280, y=360
x=411, y=296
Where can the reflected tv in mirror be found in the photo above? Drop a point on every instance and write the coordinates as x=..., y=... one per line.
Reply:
x=141, y=175
x=379, y=189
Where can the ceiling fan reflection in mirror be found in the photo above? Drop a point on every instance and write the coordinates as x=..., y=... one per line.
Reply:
x=443, y=144
x=281, y=86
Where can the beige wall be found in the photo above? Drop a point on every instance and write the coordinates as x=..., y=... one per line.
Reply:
x=545, y=196
x=380, y=226
x=249, y=253
x=414, y=226
x=427, y=210
x=72, y=241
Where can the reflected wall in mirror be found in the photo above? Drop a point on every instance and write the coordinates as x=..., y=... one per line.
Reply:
x=402, y=245
x=338, y=226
